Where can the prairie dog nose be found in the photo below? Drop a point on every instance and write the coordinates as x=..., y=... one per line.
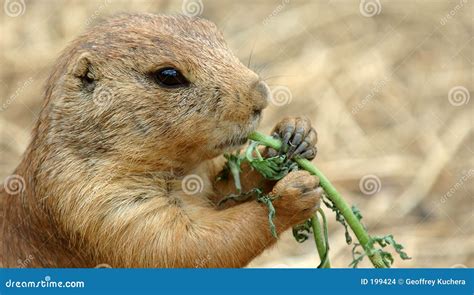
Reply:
x=262, y=96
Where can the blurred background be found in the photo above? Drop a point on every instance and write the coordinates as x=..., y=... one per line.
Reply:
x=387, y=84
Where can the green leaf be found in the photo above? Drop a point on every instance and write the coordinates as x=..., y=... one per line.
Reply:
x=357, y=212
x=274, y=168
x=389, y=240
x=271, y=168
x=267, y=200
x=357, y=256
x=383, y=242
x=339, y=218
x=232, y=166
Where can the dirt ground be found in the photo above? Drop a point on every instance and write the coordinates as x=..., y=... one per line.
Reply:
x=387, y=84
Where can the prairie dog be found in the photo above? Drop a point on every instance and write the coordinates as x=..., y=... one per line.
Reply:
x=132, y=107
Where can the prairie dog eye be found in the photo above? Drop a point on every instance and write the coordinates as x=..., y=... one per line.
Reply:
x=170, y=78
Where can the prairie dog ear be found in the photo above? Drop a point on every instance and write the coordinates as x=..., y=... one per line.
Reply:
x=82, y=66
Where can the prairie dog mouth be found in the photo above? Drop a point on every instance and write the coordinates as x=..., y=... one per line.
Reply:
x=232, y=142
x=239, y=136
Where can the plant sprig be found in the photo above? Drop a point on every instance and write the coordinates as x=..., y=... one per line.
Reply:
x=345, y=214
x=274, y=168
x=267, y=200
x=387, y=257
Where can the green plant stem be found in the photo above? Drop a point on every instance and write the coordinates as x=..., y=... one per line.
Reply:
x=321, y=239
x=235, y=171
x=334, y=196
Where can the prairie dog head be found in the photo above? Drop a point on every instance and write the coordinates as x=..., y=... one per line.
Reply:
x=158, y=89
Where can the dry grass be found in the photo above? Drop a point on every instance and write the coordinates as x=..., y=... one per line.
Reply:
x=376, y=88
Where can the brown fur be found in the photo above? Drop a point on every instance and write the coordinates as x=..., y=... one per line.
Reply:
x=103, y=180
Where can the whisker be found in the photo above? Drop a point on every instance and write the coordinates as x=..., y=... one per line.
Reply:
x=276, y=76
x=250, y=57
